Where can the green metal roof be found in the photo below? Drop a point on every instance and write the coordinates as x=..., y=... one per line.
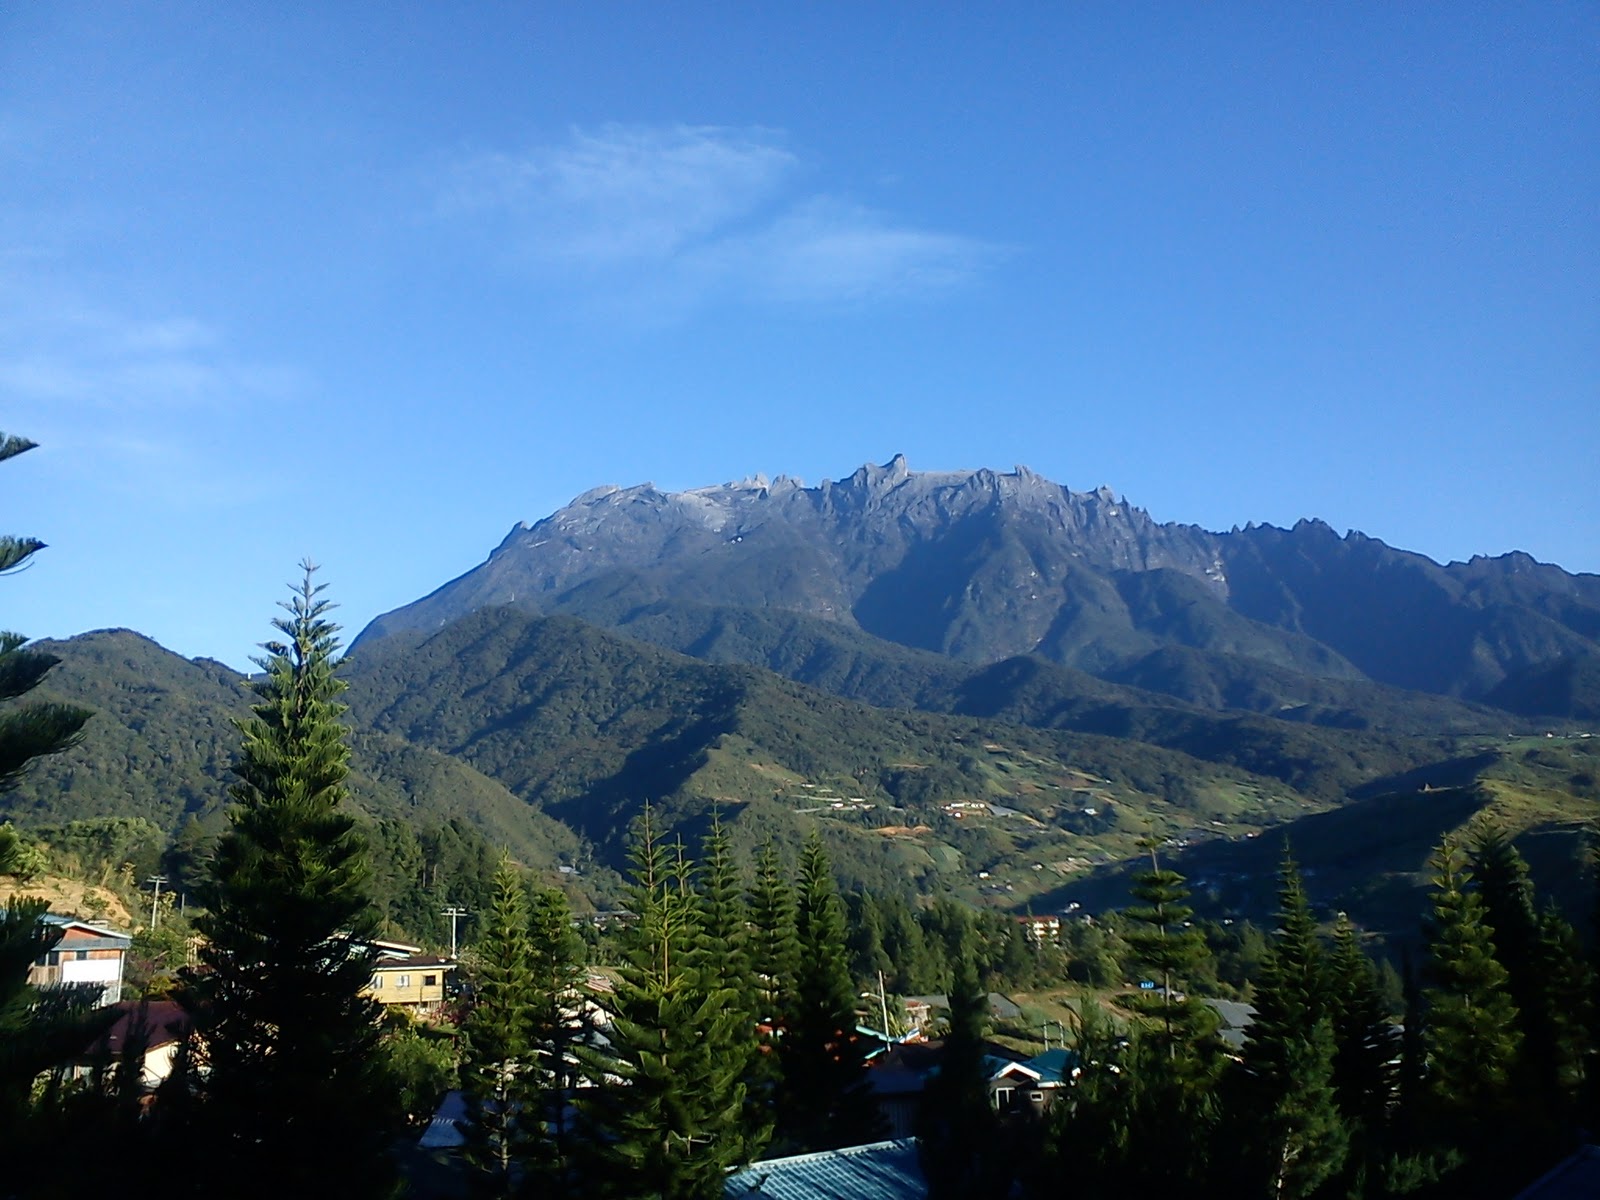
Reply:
x=879, y=1171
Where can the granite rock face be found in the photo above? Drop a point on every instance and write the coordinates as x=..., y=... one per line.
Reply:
x=983, y=565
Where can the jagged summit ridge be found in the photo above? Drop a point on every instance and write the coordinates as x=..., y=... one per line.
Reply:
x=827, y=550
x=981, y=565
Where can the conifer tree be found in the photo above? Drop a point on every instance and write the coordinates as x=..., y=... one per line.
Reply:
x=501, y=1076
x=1546, y=981
x=38, y=1029
x=958, y=1134
x=295, y=1102
x=774, y=958
x=558, y=1025
x=1472, y=1037
x=727, y=926
x=31, y=1033
x=1137, y=1122
x=826, y=1101
x=27, y=731
x=773, y=948
x=1164, y=943
x=1566, y=998
x=1366, y=1042
x=1289, y=1057
x=915, y=968
x=867, y=955
x=663, y=1116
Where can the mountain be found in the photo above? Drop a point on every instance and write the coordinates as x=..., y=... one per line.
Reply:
x=1369, y=856
x=546, y=735
x=161, y=742
x=979, y=567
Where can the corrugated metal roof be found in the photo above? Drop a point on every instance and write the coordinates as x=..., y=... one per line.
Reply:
x=879, y=1171
x=1578, y=1176
x=1053, y=1066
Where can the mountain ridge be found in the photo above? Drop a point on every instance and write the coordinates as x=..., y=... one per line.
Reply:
x=981, y=566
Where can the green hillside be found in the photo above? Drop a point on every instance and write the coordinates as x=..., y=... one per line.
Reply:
x=161, y=741
x=546, y=736
x=1368, y=857
x=587, y=726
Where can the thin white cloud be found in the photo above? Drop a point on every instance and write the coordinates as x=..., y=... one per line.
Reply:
x=695, y=213
x=624, y=194
x=59, y=350
x=128, y=402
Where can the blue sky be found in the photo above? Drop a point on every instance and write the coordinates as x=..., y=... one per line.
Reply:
x=372, y=283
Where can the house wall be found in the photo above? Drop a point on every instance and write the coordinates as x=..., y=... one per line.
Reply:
x=409, y=986
x=63, y=965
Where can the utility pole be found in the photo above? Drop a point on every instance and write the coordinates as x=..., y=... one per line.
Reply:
x=883, y=1004
x=155, y=912
x=455, y=912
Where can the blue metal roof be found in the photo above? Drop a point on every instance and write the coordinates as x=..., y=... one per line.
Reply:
x=879, y=1171
x=1574, y=1177
x=1053, y=1066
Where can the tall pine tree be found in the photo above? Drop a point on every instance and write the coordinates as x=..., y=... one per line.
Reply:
x=27, y=731
x=1471, y=1035
x=774, y=958
x=35, y=1031
x=295, y=1099
x=959, y=1136
x=500, y=1074
x=826, y=1100
x=1289, y=1057
x=1547, y=981
x=1166, y=944
x=559, y=1026
x=663, y=1115
x=1366, y=1044
x=726, y=922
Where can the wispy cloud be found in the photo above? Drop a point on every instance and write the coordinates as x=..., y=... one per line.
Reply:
x=62, y=350
x=697, y=213
x=129, y=400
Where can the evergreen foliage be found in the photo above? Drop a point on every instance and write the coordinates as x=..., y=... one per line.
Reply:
x=1301, y=1138
x=294, y=1094
x=36, y=1030
x=1366, y=1044
x=1472, y=1035
x=958, y=1135
x=662, y=1119
x=1567, y=1002
x=27, y=731
x=774, y=948
x=826, y=1102
x=1138, y=1123
x=1546, y=981
x=559, y=1024
x=728, y=929
x=501, y=1075
x=1165, y=943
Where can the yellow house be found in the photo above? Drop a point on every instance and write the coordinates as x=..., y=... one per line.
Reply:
x=415, y=981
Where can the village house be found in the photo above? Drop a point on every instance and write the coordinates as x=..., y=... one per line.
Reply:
x=87, y=954
x=1041, y=931
x=156, y=1028
x=404, y=977
x=1028, y=1087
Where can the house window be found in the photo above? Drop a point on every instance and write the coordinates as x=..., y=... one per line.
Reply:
x=1036, y=1097
x=81, y=955
x=404, y=981
x=377, y=982
x=1002, y=1097
x=430, y=981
